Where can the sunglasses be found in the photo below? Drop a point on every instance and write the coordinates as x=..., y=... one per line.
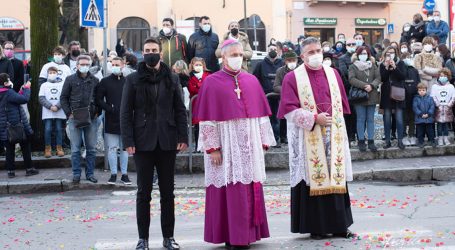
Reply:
x=350, y=44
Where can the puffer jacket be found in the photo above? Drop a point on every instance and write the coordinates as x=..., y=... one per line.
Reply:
x=11, y=110
x=423, y=105
x=202, y=44
x=174, y=47
x=444, y=99
x=247, y=50
x=360, y=79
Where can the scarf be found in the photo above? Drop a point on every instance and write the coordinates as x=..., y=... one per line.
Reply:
x=362, y=66
x=327, y=172
x=149, y=83
x=418, y=25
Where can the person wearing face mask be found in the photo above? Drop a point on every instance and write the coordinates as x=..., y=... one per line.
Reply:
x=235, y=132
x=154, y=127
x=173, y=43
x=52, y=112
x=5, y=64
x=443, y=94
x=57, y=62
x=411, y=81
x=416, y=48
x=74, y=50
x=313, y=101
x=234, y=33
x=339, y=49
x=341, y=38
x=203, y=43
x=393, y=73
x=265, y=72
x=78, y=101
x=11, y=112
x=418, y=28
x=405, y=34
x=438, y=27
x=360, y=41
x=18, y=65
x=108, y=98
x=428, y=63
x=364, y=74
x=327, y=47
x=120, y=48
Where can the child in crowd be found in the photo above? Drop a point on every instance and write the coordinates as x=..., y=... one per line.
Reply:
x=49, y=98
x=424, y=108
x=443, y=94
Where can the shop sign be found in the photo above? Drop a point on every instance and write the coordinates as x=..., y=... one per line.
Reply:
x=320, y=21
x=370, y=21
x=8, y=23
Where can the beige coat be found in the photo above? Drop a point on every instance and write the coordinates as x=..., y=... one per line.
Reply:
x=428, y=65
x=247, y=51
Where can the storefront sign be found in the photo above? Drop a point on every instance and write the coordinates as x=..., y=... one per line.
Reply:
x=8, y=23
x=370, y=21
x=320, y=21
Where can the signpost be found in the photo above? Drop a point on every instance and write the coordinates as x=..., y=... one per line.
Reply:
x=370, y=21
x=390, y=28
x=320, y=21
x=429, y=5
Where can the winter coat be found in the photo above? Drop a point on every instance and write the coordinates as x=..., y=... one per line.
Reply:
x=10, y=102
x=76, y=93
x=173, y=47
x=417, y=31
x=405, y=37
x=391, y=78
x=411, y=81
x=194, y=84
x=109, y=97
x=7, y=67
x=280, y=73
x=204, y=45
x=428, y=65
x=343, y=64
x=247, y=50
x=441, y=30
x=165, y=123
x=444, y=100
x=265, y=72
x=360, y=79
x=19, y=72
x=423, y=105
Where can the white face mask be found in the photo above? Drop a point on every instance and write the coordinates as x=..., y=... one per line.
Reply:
x=407, y=28
x=428, y=47
x=363, y=58
x=437, y=18
x=166, y=30
x=235, y=63
x=199, y=75
x=409, y=61
x=327, y=63
x=58, y=59
x=430, y=18
x=351, y=50
x=206, y=28
x=51, y=77
x=315, y=61
x=326, y=49
x=198, y=69
x=292, y=65
x=404, y=50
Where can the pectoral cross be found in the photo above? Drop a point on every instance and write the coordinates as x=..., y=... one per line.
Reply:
x=238, y=91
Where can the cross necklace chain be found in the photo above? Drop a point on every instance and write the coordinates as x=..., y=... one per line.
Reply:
x=237, y=90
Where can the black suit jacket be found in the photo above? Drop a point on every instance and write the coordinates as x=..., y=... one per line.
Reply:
x=166, y=127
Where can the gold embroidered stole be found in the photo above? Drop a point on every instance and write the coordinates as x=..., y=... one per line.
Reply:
x=322, y=179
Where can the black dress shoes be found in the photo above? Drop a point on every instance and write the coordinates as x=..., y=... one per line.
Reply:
x=142, y=244
x=170, y=244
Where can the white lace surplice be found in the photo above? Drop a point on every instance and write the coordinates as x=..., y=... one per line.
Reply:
x=298, y=121
x=241, y=142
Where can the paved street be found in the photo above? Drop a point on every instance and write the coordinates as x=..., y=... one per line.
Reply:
x=386, y=215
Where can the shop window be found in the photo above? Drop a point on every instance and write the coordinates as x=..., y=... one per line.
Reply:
x=256, y=32
x=371, y=36
x=133, y=31
x=16, y=36
x=324, y=34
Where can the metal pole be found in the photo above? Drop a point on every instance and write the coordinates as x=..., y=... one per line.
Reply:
x=190, y=135
x=106, y=150
x=244, y=17
x=255, y=38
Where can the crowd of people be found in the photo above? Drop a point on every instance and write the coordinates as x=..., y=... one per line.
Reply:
x=143, y=108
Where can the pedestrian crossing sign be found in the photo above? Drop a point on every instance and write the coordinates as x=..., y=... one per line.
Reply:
x=91, y=13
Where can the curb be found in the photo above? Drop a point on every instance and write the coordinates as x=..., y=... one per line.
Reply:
x=435, y=173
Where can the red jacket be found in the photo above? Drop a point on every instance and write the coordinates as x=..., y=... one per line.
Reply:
x=195, y=84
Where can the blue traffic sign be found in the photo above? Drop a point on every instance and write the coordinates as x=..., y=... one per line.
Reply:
x=429, y=4
x=390, y=28
x=91, y=13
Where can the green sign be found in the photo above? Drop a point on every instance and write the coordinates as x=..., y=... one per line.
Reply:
x=370, y=21
x=320, y=21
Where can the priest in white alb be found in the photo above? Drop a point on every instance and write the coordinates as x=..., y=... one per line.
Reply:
x=313, y=101
x=234, y=132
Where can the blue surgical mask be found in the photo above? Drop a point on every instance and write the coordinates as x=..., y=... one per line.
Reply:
x=116, y=70
x=443, y=79
x=359, y=42
x=206, y=28
x=84, y=69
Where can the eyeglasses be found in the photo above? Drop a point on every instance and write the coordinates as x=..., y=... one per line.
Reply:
x=350, y=44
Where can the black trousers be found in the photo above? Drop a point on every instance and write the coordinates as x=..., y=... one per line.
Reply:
x=146, y=161
x=10, y=154
x=425, y=128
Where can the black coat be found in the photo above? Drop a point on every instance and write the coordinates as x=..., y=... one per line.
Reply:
x=19, y=71
x=204, y=45
x=7, y=67
x=10, y=102
x=417, y=33
x=76, y=93
x=165, y=125
x=411, y=81
x=265, y=72
x=109, y=98
x=396, y=78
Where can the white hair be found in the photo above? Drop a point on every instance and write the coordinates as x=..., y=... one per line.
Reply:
x=226, y=48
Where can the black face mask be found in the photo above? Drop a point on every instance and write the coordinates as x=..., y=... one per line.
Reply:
x=234, y=31
x=152, y=59
x=75, y=53
x=272, y=54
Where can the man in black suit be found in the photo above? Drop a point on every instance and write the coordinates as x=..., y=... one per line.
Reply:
x=154, y=126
